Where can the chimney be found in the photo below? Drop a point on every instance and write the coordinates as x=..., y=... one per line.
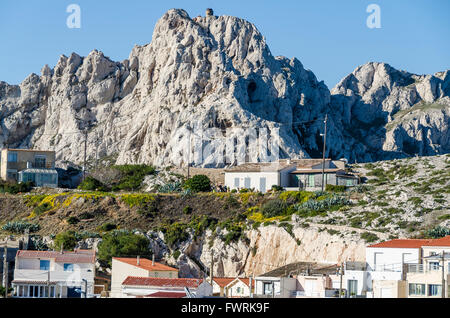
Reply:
x=62, y=248
x=138, y=260
x=153, y=260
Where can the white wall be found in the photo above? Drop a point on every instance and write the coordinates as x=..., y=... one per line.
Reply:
x=272, y=178
x=283, y=286
x=391, y=259
x=244, y=290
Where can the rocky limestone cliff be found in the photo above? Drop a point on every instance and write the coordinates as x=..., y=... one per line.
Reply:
x=393, y=114
x=216, y=72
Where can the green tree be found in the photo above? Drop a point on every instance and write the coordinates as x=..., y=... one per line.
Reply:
x=198, y=183
x=120, y=244
x=67, y=240
x=92, y=184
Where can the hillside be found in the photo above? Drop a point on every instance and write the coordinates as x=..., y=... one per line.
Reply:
x=401, y=198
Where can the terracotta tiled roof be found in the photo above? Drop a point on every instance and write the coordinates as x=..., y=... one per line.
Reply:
x=223, y=281
x=162, y=282
x=445, y=241
x=246, y=281
x=146, y=264
x=412, y=243
x=166, y=295
x=78, y=256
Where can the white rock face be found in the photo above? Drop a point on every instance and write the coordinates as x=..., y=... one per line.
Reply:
x=269, y=248
x=218, y=72
x=394, y=114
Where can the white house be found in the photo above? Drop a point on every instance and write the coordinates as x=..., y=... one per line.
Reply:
x=398, y=269
x=139, y=267
x=240, y=288
x=219, y=284
x=153, y=287
x=299, y=174
x=276, y=287
x=43, y=274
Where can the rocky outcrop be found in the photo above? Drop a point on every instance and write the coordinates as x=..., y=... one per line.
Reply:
x=392, y=114
x=267, y=248
x=217, y=73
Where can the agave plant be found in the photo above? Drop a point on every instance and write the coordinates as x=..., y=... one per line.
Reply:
x=20, y=227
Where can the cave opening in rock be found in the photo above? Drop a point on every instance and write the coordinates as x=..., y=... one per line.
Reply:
x=251, y=89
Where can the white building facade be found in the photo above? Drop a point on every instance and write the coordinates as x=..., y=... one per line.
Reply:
x=50, y=274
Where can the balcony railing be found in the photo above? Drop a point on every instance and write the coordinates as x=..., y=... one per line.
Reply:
x=31, y=275
x=19, y=166
x=423, y=268
x=386, y=268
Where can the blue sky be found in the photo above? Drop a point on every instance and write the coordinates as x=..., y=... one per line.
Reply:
x=329, y=37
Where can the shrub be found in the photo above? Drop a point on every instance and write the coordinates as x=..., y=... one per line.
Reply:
x=369, y=237
x=438, y=232
x=107, y=227
x=86, y=216
x=92, y=184
x=273, y=208
x=187, y=210
x=277, y=188
x=444, y=217
x=132, y=176
x=14, y=188
x=72, y=220
x=175, y=233
x=120, y=244
x=176, y=254
x=42, y=208
x=198, y=183
x=67, y=240
x=335, y=188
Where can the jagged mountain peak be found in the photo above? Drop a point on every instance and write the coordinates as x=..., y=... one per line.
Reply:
x=216, y=72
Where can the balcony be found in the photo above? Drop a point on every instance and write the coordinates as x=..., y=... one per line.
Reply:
x=22, y=165
x=32, y=275
x=395, y=268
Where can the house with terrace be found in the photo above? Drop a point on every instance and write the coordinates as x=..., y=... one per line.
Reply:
x=26, y=165
x=52, y=274
x=293, y=175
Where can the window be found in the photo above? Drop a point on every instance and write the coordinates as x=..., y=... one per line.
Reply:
x=417, y=289
x=39, y=162
x=311, y=180
x=44, y=265
x=47, y=178
x=352, y=287
x=349, y=183
x=267, y=288
x=68, y=267
x=434, y=290
x=11, y=174
x=52, y=291
x=236, y=182
x=247, y=183
x=12, y=156
x=433, y=266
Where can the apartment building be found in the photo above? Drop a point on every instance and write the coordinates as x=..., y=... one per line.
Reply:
x=24, y=165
